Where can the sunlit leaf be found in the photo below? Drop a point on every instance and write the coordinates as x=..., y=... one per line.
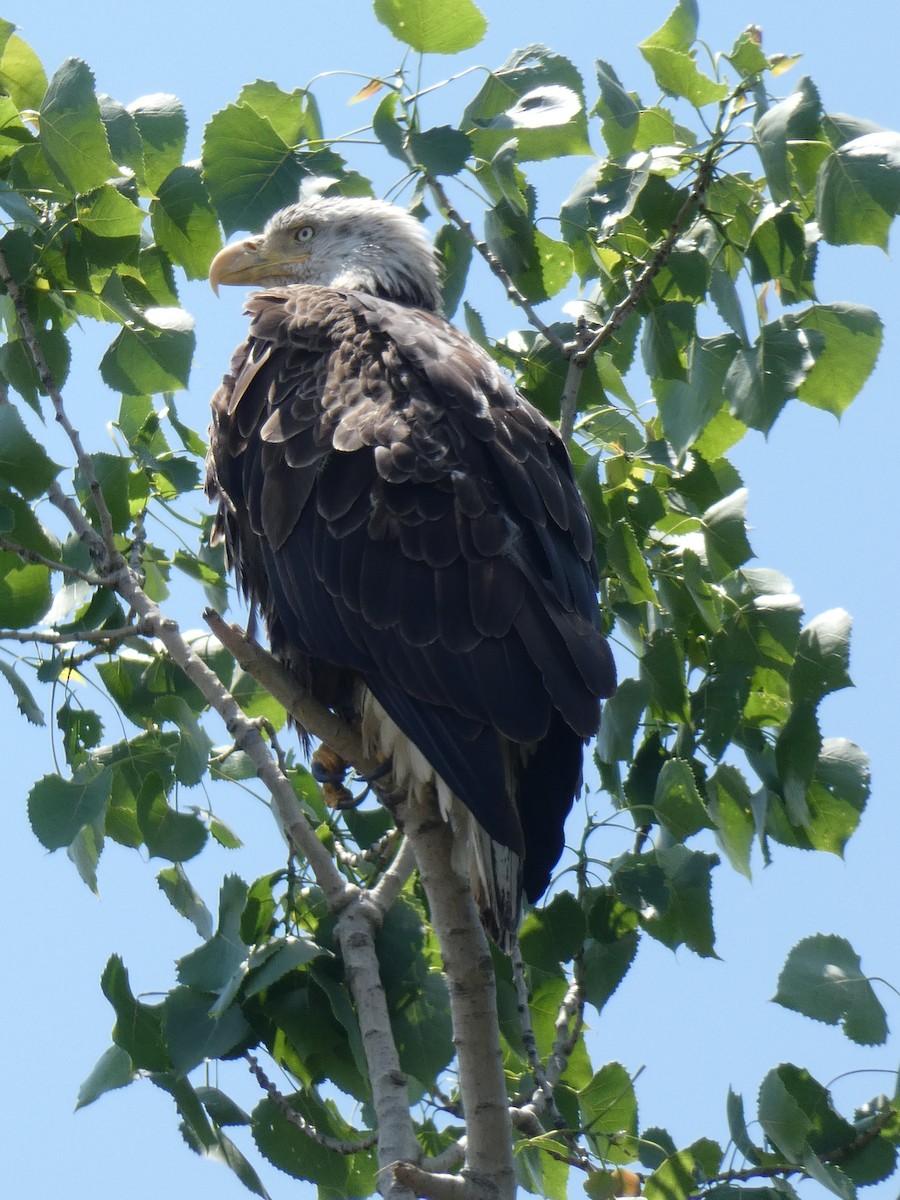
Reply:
x=72, y=134
x=446, y=28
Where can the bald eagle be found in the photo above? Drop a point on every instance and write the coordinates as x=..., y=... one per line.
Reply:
x=410, y=529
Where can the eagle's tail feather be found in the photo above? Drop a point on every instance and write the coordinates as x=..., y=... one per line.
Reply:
x=495, y=876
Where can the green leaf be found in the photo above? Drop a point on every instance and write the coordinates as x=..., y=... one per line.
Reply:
x=762, y=379
x=114, y=475
x=853, y=337
x=687, y=407
x=670, y=890
x=72, y=134
x=737, y=1127
x=823, y=657
x=25, y=702
x=106, y=213
x=248, y=167
x=858, y=190
x=746, y=55
x=678, y=75
x=211, y=966
x=24, y=463
x=447, y=28
x=138, y=1028
x=617, y=110
x=21, y=74
x=779, y=250
x=184, y=222
x=59, y=808
x=180, y=892
x=298, y=1155
x=795, y=119
x=619, y=720
x=725, y=534
x=279, y=958
x=628, y=562
x=441, y=151
x=553, y=934
x=168, y=833
x=822, y=978
x=455, y=250
x=681, y=1173
x=193, y=1035
x=291, y=114
x=662, y=666
x=112, y=1070
x=221, y=1108
x=730, y=807
x=122, y=135
x=609, y=1113
x=153, y=358
x=537, y=97
x=162, y=124
x=671, y=57
x=677, y=802
x=605, y=966
x=24, y=591
x=194, y=743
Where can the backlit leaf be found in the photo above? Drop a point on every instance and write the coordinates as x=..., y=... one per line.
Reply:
x=858, y=190
x=162, y=123
x=72, y=134
x=444, y=28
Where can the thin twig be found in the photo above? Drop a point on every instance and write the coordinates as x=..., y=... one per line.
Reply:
x=338, y=1145
x=569, y=1023
x=49, y=385
x=545, y=1088
x=390, y=885
x=102, y=636
x=453, y=214
x=32, y=556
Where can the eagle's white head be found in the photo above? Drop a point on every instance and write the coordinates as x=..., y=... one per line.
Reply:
x=358, y=245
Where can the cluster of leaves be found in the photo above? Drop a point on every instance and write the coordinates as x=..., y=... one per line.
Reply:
x=102, y=215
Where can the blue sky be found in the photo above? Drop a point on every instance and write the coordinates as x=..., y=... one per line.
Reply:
x=822, y=508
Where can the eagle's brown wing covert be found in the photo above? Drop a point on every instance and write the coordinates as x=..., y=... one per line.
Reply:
x=402, y=516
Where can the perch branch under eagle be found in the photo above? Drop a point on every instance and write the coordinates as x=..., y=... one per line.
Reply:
x=410, y=529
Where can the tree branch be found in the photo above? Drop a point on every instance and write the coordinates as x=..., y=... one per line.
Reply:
x=587, y=344
x=32, y=556
x=473, y=1000
x=101, y=636
x=281, y=1102
x=494, y=263
x=315, y=718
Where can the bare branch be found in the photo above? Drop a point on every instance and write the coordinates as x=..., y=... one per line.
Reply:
x=545, y=1088
x=281, y=1102
x=433, y=1187
x=569, y=1022
x=33, y=557
x=473, y=1000
x=101, y=636
x=318, y=720
x=390, y=885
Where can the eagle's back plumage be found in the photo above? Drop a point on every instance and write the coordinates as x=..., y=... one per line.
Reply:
x=410, y=528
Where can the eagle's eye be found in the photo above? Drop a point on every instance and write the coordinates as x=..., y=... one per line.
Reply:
x=305, y=233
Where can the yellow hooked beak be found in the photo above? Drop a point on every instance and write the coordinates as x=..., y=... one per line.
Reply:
x=250, y=261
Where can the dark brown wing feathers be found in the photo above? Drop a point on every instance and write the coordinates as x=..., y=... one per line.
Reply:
x=398, y=511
